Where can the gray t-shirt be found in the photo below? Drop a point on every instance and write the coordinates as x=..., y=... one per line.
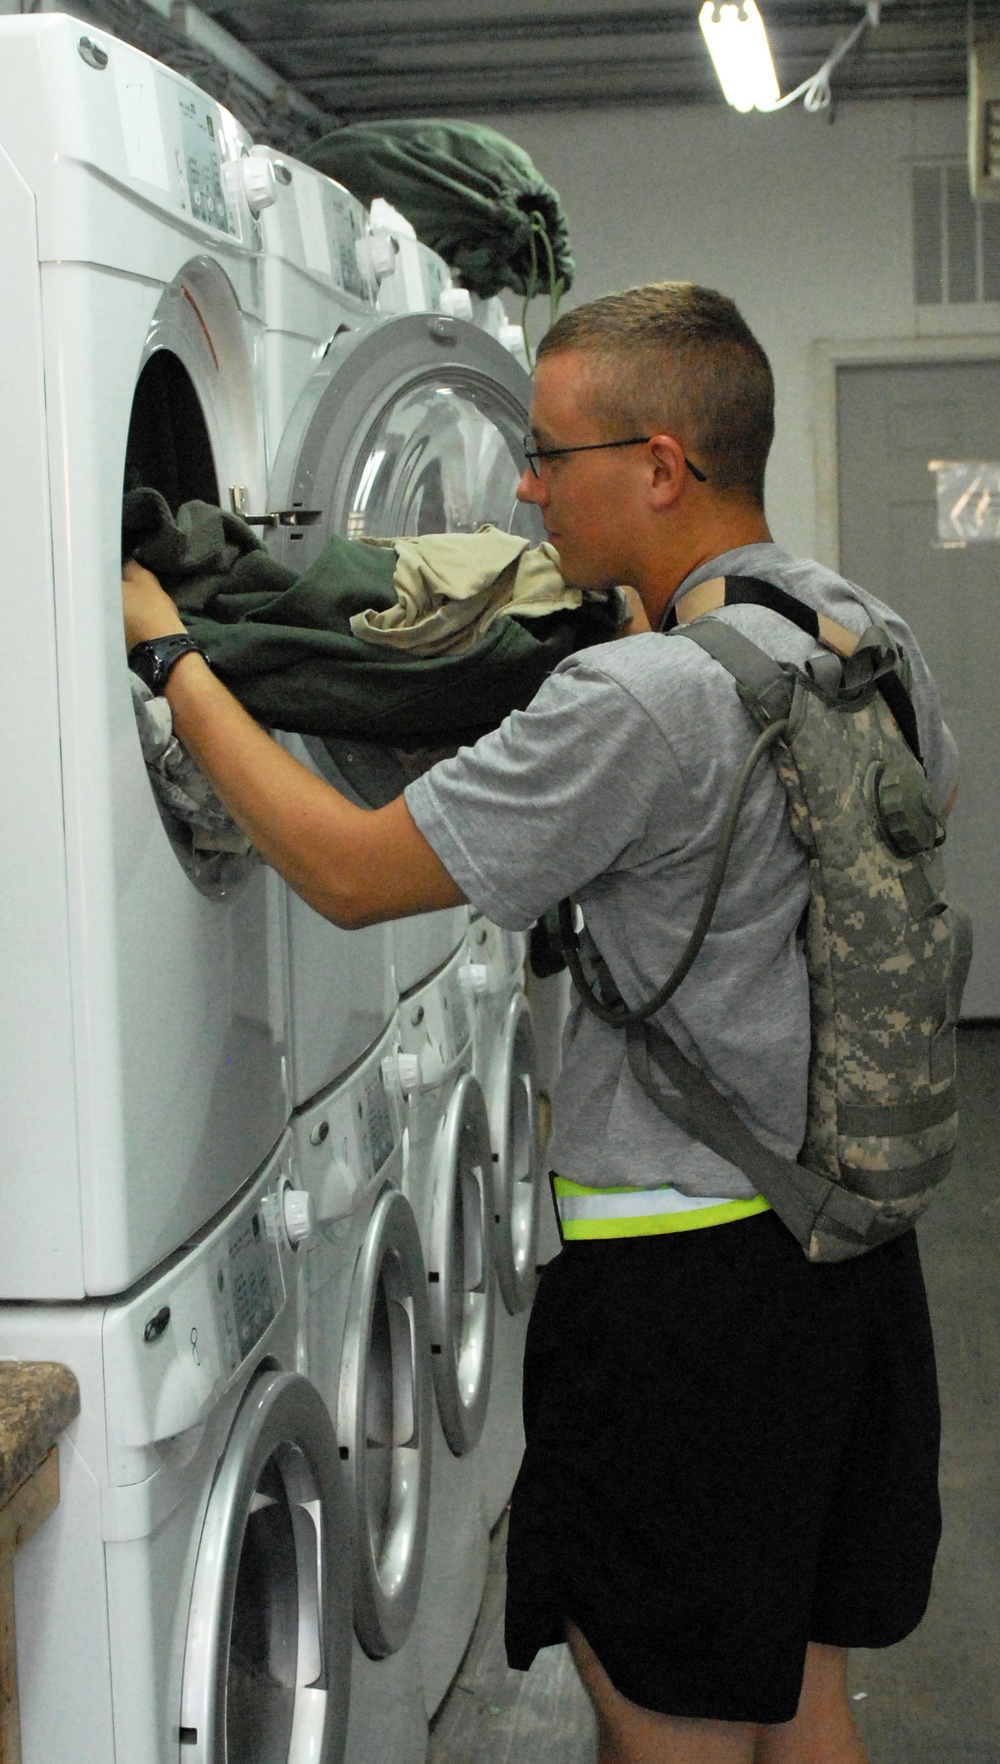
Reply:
x=612, y=786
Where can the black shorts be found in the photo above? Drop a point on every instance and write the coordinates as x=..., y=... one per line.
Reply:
x=730, y=1452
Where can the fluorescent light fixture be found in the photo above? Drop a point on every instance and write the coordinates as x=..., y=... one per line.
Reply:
x=737, y=43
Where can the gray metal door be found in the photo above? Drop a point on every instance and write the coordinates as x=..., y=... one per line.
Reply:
x=267, y=1665
x=893, y=422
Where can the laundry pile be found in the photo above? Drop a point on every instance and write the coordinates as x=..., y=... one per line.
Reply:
x=416, y=645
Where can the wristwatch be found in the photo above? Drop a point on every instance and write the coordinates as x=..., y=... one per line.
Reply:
x=153, y=660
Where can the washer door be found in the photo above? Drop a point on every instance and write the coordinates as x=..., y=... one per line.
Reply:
x=409, y=425
x=384, y=1424
x=460, y=1282
x=268, y=1661
x=516, y=1137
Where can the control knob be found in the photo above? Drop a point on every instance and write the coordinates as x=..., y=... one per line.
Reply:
x=475, y=977
x=260, y=185
x=401, y=1074
x=297, y=1214
x=376, y=255
x=456, y=302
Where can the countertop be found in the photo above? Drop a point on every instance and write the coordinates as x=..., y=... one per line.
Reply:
x=37, y=1400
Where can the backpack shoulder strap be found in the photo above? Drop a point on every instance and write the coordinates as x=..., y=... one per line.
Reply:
x=721, y=591
x=759, y=677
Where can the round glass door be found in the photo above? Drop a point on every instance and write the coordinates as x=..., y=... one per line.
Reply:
x=410, y=425
x=460, y=1281
x=444, y=456
x=384, y=1425
x=193, y=429
x=517, y=1140
x=268, y=1659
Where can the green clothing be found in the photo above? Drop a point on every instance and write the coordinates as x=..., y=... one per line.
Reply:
x=468, y=192
x=283, y=643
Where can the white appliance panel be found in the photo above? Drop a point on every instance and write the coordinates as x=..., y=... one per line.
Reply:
x=413, y=424
x=86, y=136
x=37, y=1089
x=157, y=1014
x=448, y=1179
x=315, y=284
x=341, y=982
x=135, y=1584
x=369, y=1356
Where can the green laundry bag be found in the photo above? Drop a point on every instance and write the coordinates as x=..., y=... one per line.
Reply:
x=469, y=193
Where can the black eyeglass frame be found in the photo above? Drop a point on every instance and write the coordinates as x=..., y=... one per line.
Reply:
x=533, y=454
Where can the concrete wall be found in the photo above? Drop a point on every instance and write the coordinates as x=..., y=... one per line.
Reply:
x=807, y=223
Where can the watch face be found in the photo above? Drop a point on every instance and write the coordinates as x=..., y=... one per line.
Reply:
x=152, y=661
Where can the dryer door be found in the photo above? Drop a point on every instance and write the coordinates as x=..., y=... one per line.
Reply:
x=513, y=1108
x=268, y=1659
x=460, y=1281
x=410, y=425
x=384, y=1424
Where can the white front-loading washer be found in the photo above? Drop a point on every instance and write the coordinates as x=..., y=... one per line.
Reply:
x=369, y=1356
x=423, y=282
x=448, y=1179
x=319, y=283
x=143, y=1039
x=505, y=1063
x=319, y=278
x=190, y=1597
x=410, y=424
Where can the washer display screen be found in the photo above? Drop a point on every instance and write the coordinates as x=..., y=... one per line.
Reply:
x=202, y=166
x=244, y=1294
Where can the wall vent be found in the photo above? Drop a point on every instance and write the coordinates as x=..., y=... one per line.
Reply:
x=956, y=241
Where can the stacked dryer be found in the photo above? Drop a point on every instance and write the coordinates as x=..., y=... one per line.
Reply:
x=505, y=1063
x=369, y=1354
x=365, y=1285
x=400, y=419
x=189, y=1593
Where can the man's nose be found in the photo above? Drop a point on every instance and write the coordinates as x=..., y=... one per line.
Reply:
x=530, y=488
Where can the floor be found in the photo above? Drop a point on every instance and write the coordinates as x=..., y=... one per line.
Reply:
x=934, y=1699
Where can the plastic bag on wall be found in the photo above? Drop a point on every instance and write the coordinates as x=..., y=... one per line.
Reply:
x=968, y=500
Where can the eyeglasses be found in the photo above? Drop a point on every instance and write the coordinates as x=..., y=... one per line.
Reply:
x=534, y=455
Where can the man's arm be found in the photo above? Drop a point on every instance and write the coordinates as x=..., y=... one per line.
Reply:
x=353, y=865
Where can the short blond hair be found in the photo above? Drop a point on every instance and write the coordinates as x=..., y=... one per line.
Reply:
x=675, y=356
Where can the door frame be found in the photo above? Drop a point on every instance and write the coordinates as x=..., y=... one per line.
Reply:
x=827, y=357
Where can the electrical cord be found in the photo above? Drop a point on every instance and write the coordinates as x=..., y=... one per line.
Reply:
x=815, y=92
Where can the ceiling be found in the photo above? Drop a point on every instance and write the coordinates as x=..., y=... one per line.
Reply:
x=338, y=61
x=367, y=58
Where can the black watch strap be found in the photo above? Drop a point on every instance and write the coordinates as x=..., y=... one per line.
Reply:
x=153, y=660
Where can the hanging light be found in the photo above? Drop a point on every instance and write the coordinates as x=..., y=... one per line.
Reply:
x=737, y=42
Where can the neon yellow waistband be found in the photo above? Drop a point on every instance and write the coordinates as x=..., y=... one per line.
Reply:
x=590, y=1213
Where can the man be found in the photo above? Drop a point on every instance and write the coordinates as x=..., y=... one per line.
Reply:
x=730, y=1468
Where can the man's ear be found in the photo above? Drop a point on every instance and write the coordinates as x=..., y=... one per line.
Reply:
x=669, y=469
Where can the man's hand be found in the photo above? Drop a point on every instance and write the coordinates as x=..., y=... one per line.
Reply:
x=353, y=865
x=149, y=610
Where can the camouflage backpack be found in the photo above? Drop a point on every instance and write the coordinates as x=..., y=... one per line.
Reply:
x=886, y=955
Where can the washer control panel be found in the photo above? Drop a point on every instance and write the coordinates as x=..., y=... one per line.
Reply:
x=353, y=1136
x=202, y=162
x=246, y=1294
x=173, y=1347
